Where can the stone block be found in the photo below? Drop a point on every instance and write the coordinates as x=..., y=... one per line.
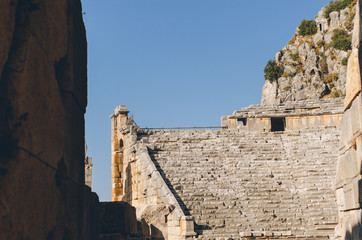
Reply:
x=353, y=81
x=356, y=115
x=187, y=226
x=257, y=233
x=232, y=123
x=286, y=233
x=350, y=225
x=347, y=168
x=340, y=199
x=351, y=194
x=359, y=153
x=163, y=191
x=346, y=131
x=245, y=234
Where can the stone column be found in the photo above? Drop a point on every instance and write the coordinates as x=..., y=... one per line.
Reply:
x=119, y=119
x=349, y=169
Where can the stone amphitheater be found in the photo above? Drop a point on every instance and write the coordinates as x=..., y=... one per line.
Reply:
x=290, y=170
x=268, y=172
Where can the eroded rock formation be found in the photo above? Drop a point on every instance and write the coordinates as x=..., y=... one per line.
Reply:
x=313, y=68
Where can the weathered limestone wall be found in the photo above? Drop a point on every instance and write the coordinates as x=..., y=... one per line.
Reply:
x=349, y=173
x=43, y=97
x=251, y=184
x=135, y=180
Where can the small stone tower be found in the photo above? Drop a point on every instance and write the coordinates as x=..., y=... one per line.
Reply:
x=119, y=142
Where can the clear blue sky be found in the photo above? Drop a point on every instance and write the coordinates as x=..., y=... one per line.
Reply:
x=178, y=62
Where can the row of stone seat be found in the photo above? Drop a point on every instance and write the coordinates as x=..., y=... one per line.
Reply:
x=242, y=183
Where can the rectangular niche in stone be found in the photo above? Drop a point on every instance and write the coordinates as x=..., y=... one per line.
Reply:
x=277, y=124
x=242, y=121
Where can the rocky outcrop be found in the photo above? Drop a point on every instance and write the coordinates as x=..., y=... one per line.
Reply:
x=313, y=69
x=43, y=97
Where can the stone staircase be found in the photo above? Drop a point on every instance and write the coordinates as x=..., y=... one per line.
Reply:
x=251, y=184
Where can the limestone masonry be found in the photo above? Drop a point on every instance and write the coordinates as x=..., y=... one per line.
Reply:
x=247, y=179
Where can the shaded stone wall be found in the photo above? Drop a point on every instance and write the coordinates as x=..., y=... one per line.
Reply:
x=349, y=172
x=43, y=98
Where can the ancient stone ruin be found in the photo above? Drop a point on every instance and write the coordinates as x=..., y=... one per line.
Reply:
x=286, y=171
x=266, y=172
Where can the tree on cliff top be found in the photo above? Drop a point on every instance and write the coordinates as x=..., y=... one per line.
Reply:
x=307, y=27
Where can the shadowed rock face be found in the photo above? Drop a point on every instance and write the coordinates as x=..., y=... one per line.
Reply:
x=43, y=97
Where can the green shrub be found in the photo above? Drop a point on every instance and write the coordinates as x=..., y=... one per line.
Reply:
x=345, y=61
x=307, y=27
x=330, y=78
x=272, y=71
x=337, y=6
x=337, y=93
x=320, y=45
x=341, y=40
x=295, y=56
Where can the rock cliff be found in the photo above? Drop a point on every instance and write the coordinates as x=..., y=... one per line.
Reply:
x=313, y=66
x=43, y=97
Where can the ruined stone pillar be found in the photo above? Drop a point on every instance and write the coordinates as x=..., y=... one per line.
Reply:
x=119, y=119
x=349, y=167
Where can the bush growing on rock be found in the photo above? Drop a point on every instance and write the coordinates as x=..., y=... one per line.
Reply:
x=345, y=61
x=338, y=5
x=272, y=71
x=307, y=27
x=320, y=45
x=330, y=78
x=341, y=40
x=295, y=56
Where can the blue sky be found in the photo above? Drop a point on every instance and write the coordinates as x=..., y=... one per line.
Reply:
x=177, y=63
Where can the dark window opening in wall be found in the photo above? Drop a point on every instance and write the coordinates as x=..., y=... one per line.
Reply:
x=242, y=121
x=320, y=27
x=277, y=124
x=121, y=144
